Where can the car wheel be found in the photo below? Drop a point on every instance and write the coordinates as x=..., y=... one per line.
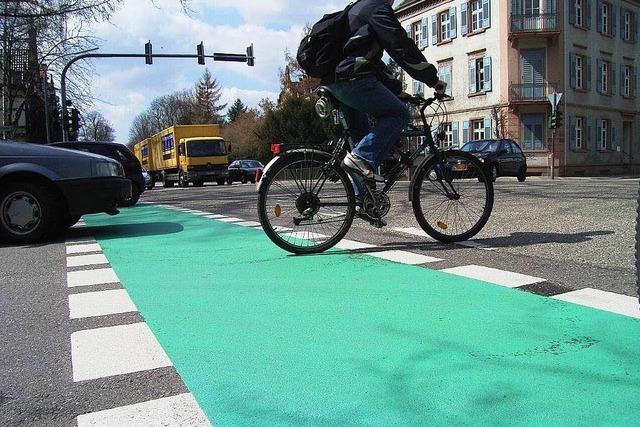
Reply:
x=522, y=176
x=29, y=212
x=182, y=180
x=494, y=172
x=198, y=183
x=244, y=179
x=229, y=181
x=220, y=181
x=135, y=196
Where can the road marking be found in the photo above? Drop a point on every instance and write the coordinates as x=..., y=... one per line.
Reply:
x=495, y=276
x=607, y=301
x=100, y=276
x=117, y=350
x=94, y=304
x=84, y=260
x=174, y=411
x=279, y=229
x=475, y=245
x=351, y=245
x=414, y=231
x=404, y=257
x=249, y=224
x=305, y=235
x=215, y=216
x=80, y=249
x=80, y=240
x=230, y=219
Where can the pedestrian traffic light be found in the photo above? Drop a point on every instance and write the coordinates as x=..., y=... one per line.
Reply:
x=148, y=53
x=201, y=60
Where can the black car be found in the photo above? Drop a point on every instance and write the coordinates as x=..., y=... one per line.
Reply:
x=244, y=171
x=119, y=152
x=502, y=157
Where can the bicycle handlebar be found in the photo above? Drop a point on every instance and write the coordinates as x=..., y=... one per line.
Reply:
x=419, y=100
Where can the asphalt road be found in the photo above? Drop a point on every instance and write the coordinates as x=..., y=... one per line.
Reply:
x=574, y=232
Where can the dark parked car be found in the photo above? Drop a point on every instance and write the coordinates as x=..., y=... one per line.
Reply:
x=119, y=152
x=244, y=171
x=502, y=157
x=45, y=190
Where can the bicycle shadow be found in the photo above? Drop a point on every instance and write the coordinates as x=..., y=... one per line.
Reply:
x=533, y=238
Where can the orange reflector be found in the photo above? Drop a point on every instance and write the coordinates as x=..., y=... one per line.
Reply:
x=460, y=166
x=442, y=225
x=278, y=211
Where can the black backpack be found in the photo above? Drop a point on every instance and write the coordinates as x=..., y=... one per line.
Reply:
x=321, y=51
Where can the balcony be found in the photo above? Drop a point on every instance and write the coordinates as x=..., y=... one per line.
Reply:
x=535, y=23
x=531, y=93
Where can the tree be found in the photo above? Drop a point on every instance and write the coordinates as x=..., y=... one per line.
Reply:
x=243, y=134
x=500, y=117
x=235, y=110
x=207, y=98
x=96, y=128
x=294, y=122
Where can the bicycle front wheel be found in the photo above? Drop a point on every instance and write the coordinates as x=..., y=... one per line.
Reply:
x=305, y=205
x=452, y=196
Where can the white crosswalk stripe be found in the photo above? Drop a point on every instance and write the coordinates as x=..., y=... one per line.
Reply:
x=84, y=248
x=94, y=304
x=607, y=301
x=86, y=260
x=100, y=276
x=404, y=257
x=495, y=276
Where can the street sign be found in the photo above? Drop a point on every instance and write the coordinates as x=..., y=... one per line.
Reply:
x=554, y=99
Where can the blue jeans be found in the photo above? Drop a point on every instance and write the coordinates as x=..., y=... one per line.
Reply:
x=368, y=97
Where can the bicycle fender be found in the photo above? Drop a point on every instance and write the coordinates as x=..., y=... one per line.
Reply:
x=415, y=175
x=273, y=161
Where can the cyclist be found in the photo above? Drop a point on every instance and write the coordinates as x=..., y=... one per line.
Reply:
x=365, y=86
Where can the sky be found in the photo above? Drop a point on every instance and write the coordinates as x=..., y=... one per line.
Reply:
x=123, y=88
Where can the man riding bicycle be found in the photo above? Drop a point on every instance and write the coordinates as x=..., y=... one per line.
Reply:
x=364, y=85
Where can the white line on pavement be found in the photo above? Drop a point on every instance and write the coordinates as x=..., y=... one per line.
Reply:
x=248, y=224
x=304, y=235
x=84, y=260
x=230, y=220
x=81, y=249
x=495, y=276
x=174, y=411
x=607, y=301
x=215, y=216
x=351, y=245
x=404, y=257
x=117, y=350
x=100, y=276
x=93, y=304
x=414, y=231
x=80, y=240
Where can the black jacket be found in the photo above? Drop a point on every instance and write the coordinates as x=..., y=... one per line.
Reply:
x=375, y=29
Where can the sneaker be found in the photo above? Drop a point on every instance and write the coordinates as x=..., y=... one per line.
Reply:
x=361, y=167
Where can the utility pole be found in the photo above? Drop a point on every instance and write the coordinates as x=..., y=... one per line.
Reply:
x=248, y=58
x=45, y=91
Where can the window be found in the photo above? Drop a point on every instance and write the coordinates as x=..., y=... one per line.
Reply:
x=626, y=84
x=447, y=128
x=416, y=32
x=476, y=15
x=604, y=17
x=479, y=75
x=579, y=132
x=445, y=25
x=445, y=74
x=604, y=77
x=477, y=127
x=626, y=31
x=579, y=72
x=418, y=88
x=579, y=14
x=603, y=138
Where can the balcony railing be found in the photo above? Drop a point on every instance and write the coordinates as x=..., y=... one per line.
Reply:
x=531, y=91
x=535, y=23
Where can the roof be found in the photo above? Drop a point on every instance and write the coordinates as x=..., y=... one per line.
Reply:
x=406, y=3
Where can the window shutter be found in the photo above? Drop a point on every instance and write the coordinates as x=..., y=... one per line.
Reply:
x=572, y=132
x=588, y=73
x=465, y=132
x=614, y=138
x=599, y=15
x=551, y=6
x=572, y=69
x=454, y=131
x=486, y=13
x=622, y=80
x=614, y=21
x=488, y=134
x=453, y=18
x=622, y=12
x=599, y=75
x=587, y=13
x=613, y=73
x=424, y=36
x=487, y=73
x=589, y=133
x=434, y=30
x=598, y=135
x=572, y=11
x=634, y=81
x=472, y=76
x=635, y=27
x=464, y=20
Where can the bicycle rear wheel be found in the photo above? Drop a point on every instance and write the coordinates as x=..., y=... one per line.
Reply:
x=452, y=196
x=305, y=205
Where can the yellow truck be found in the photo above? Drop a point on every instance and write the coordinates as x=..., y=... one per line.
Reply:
x=185, y=154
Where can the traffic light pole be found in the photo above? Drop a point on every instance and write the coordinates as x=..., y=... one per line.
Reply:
x=227, y=57
x=553, y=153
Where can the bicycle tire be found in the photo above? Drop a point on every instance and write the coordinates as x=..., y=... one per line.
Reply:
x=286, y=160
x=482, y=178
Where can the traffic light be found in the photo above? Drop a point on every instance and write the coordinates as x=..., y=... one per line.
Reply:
x=73, y=124
x=148, y=53
x=559, y=119
x=556, y=120
x=201, y=60
x=251, y=61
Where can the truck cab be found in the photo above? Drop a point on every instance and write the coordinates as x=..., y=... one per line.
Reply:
x=202, y=159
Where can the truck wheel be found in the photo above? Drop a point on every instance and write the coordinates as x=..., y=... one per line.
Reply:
x=182, y=180
x=29, y=212
x=198, y=183
x=220, y=181
x=135, y=196
x=165, y=182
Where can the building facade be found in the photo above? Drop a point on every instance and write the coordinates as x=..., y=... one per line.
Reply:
x=503, y=58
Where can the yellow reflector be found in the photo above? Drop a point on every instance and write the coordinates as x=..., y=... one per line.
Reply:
x=278, y=211
x=442, y=225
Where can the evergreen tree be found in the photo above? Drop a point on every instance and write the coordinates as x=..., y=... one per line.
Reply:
x=235, y=110
x=208, y=94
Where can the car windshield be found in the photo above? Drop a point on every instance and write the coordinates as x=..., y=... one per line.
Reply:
x=206, y=148
x=481, y=146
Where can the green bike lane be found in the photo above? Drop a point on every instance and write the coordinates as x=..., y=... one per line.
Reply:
x=263, y=337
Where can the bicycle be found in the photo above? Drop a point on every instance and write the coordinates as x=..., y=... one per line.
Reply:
x=307, y=202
